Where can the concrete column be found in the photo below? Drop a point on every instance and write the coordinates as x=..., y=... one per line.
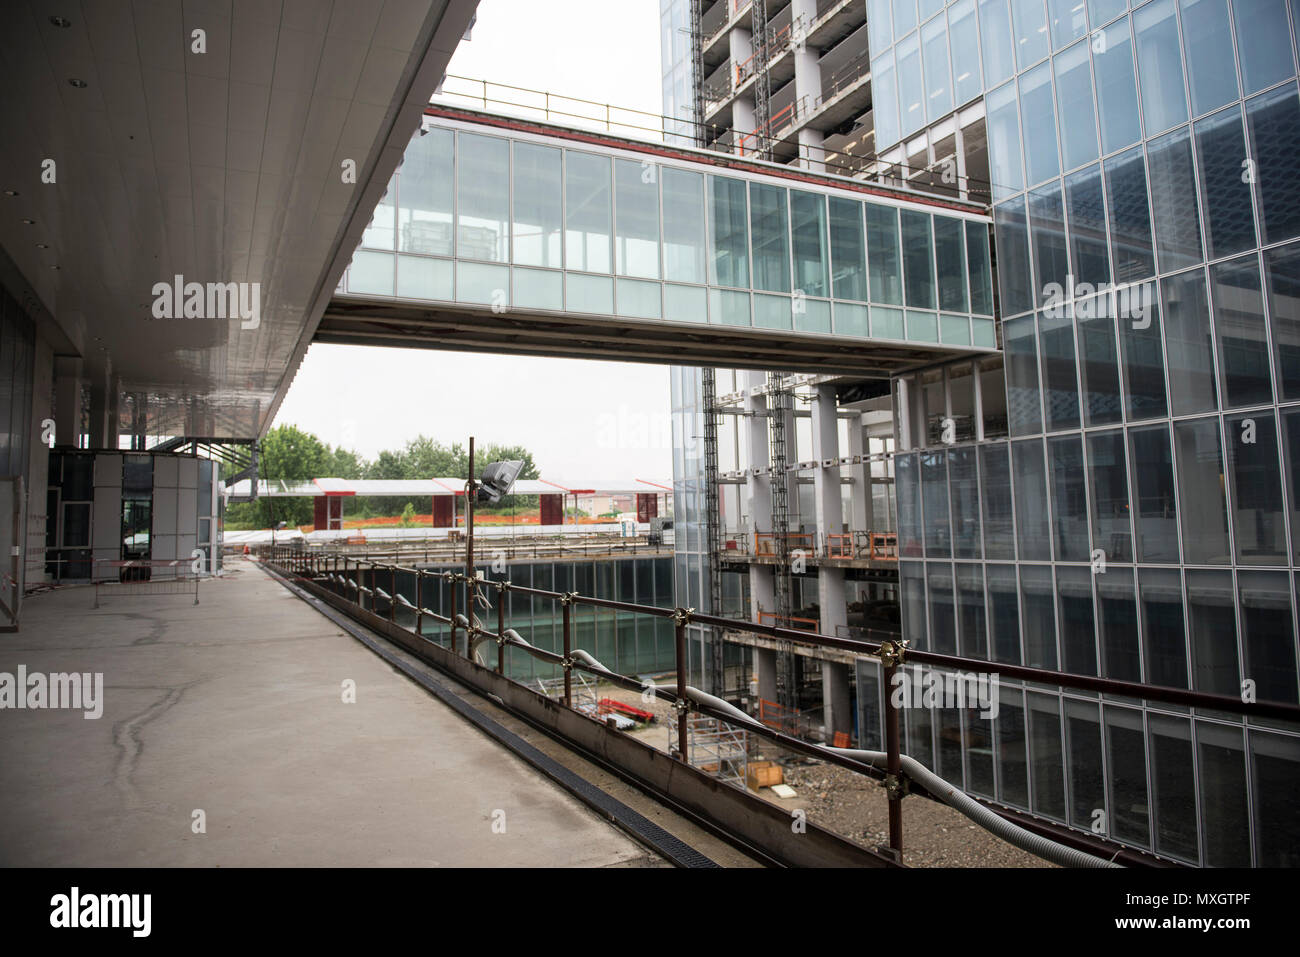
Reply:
x=765, y=671
x=860, y=494
x=114, y=413
x=38, y=467
x=67, y=401
x=97, y=437
x=837, y=713
x=758, y=488
x=826, y=448
x=807, y=84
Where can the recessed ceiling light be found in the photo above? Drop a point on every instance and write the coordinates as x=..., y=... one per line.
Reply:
x=79, y=84
x=42, y=245
x=54, y=266
x=11, y=192
x=61, y=22
x=29, y=222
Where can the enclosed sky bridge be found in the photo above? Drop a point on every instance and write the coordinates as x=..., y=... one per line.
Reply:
x=505, y=235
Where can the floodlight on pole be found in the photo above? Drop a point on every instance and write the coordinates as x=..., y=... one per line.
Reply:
x=498, y=479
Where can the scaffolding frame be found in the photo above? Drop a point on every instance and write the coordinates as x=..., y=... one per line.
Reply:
x=714, y=747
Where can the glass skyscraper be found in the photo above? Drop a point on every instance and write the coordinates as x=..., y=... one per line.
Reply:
x=1117, y=493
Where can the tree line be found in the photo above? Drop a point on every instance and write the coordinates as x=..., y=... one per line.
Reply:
x=293, y=455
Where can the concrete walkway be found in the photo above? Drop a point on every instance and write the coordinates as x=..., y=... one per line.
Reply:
x=235, y=708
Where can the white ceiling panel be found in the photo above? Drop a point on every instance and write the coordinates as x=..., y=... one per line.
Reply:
x=220, y=167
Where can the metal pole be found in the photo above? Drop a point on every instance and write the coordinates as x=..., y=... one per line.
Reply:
x=392, y=593
x=568, y=666
x=680, y=635
x=419, y=602
x=469, y=546
x=894, y=770
x=501, y=629
x=451, y=585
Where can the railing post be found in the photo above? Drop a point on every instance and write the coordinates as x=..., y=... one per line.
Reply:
x=419, y=602
x=891, y=655
x=451, y=587
x=392, y=594
x=501, y=627
x=565, y=602
x=680, y=617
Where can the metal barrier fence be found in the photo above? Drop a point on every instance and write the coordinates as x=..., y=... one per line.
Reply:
x=360, y=581
x=120, y=579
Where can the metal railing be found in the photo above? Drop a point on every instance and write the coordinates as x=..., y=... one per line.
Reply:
x=118, y=579
x=362, y=582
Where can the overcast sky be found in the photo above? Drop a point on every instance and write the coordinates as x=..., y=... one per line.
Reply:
x=581, y=419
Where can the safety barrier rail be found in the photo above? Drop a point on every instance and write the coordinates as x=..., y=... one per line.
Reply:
x=118, y=579
x=362, y=582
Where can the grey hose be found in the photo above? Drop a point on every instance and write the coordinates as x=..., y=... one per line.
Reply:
x=951, y=795
x=912, y=769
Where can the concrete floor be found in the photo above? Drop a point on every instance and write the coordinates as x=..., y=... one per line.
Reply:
x=235, y=707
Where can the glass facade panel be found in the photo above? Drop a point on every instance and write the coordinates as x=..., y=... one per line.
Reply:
x=1004, y=613
x=1005, y=167
x=1244, y=362
x=1163, y=627
x=483, y=187
x=1272, y=121
x=1201, y=492
x=1067, y=21
x=934, y=492
x=938, y=85
x=1282, y=275
x=1268, y=634
x=918, y=259
x=1188, y=344
x=684, y=243
x=1029, y=30
x=1038, y=621
x=1130, y=217
x=911, y=91
x=1109, y=501
x=636, y=201
x=1225, y=192
x=1069, y=499
x=587, y=212
x=884, y=261
x=1087, y=782
x=1263, y=43
x=1173, y=201
x=729, y=233
x=1024, y=415
x=848, y=250
x=950, y=258
x=1225, y=817
x=1075, y=613
x=769, y=225
x=1153, y=495
x=1207, y=42
x=1117, y=102
x=1098, y=364
x=1047, y=229
x=1074, y=96
x=995, y=476
x=1015, y=281
x=1038, y=123
x=1258, y=519
x=964, y=42
x=1060, y=375
x=1126, y=768
x=1087, y=209
x=424, y=217
x=964, y=499
x=978, y=268
x=1160, y=63
x=1046, y=756
x=995, y=41
x=537, y=220
x=808, y=229
x=1117, y=625
x=1142, y=352
x=1033, y=532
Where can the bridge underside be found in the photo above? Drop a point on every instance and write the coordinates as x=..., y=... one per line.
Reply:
x=382, y=322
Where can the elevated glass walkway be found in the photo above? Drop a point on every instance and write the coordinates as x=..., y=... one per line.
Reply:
x=506, y=235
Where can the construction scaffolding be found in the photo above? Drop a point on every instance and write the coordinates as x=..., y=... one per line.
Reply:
x=780, y=403
x=714, y=746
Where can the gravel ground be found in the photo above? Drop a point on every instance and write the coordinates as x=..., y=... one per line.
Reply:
x=855, y=807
